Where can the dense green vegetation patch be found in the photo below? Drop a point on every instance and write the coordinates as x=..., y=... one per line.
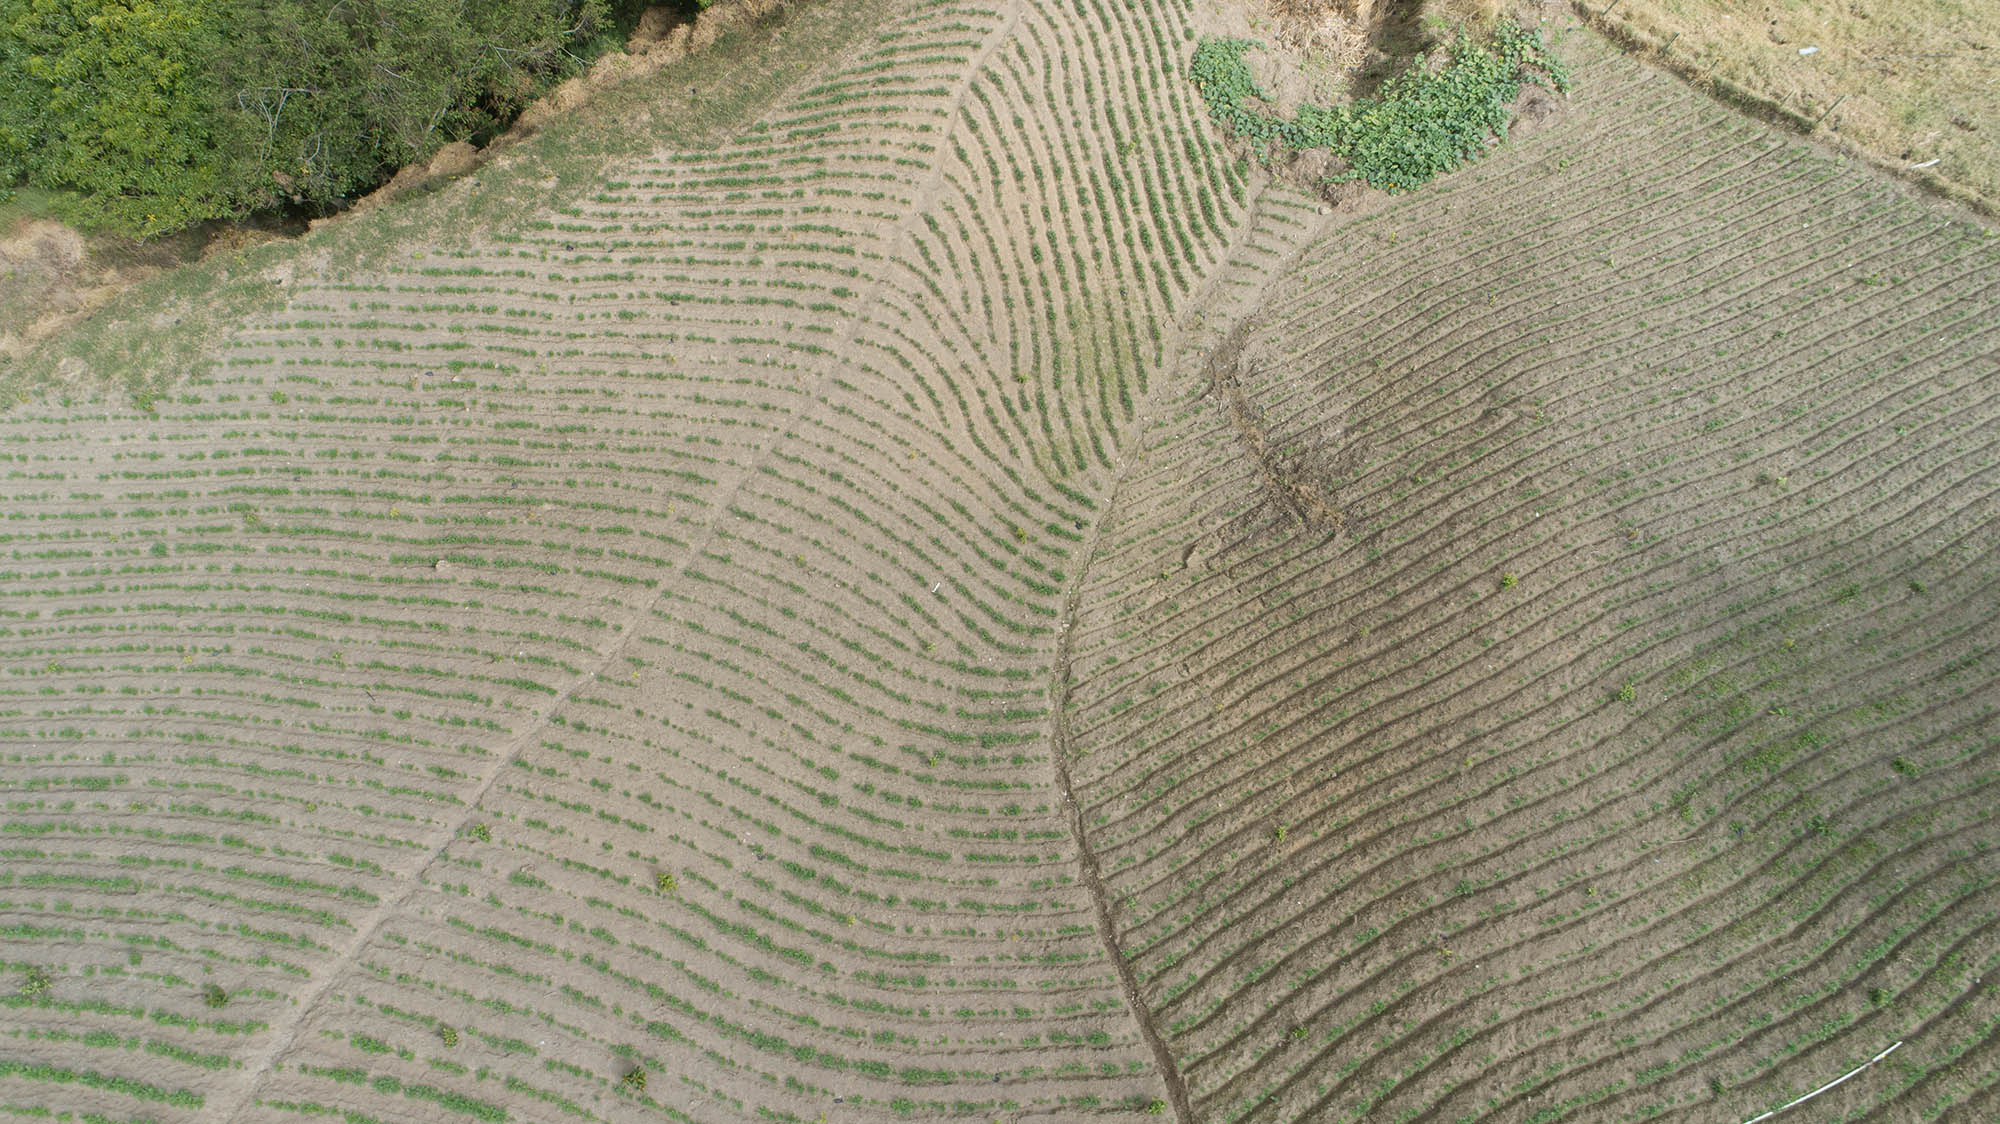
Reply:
x=164, y=113
x=1428, y=119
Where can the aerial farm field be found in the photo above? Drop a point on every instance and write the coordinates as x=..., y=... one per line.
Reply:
x=1912, y=86
x=935, y=589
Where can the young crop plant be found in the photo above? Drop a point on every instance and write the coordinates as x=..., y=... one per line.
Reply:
x=666, y=882
x=448, y=1035
x=1425, y=121
x=214, y=996
x=36, y=982
x=634, y=1079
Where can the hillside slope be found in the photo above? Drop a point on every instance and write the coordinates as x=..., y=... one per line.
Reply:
x=1543, y=671
x=957, y=602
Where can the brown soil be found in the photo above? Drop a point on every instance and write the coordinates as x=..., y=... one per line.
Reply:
x=1559, y=778
x=880, y=523
x=51, y=277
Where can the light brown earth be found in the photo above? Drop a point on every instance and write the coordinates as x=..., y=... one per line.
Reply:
x=1087, y=629
x=1912, y=86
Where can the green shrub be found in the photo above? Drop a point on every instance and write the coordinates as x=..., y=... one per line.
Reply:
x=121, y=101
x=1423, y=122
x=214, y=996
x=163, y=113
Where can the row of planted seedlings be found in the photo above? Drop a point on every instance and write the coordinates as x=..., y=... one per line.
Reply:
x=337, y=571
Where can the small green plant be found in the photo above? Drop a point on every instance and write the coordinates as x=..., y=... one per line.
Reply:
x=1427, y=120
x=481, y=832
x=1156, y=1107
x=1509, y=581
x=1279, y=832
x=1715, y=1086
x=1878, y=996
x=1916, y=586
x=448, y=1035
x=1906, y=767
x=666, y=882
x=214, y=997
x=634, y=1079
x=1298, y=1034
x=37, y=982
x=1629, y=692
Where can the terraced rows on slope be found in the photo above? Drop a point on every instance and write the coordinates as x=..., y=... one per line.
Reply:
x=967, y=454
x=1545, y=672
x=713, y=527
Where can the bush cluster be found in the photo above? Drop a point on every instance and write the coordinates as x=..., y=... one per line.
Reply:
x=165, y=113
x=1428, y=119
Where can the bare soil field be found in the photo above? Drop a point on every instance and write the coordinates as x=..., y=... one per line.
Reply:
x=1914, y=86
x=1536, y=677
x=945, y=594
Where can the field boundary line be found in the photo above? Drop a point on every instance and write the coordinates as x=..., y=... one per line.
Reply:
x=1060, y=673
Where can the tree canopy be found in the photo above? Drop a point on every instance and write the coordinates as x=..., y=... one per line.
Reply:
x=163, y=113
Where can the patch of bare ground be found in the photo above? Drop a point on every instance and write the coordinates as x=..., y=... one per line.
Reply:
x=1910, y=87
x=52, y=277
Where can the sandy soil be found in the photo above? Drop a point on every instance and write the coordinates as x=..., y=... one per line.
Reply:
x=957, y=603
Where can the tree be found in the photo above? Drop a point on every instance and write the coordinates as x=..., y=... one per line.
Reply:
x=117, y=99
x=162, y=113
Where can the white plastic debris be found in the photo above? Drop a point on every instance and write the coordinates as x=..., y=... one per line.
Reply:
x=1809, y=50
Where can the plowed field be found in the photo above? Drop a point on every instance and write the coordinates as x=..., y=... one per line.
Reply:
x=966, y=601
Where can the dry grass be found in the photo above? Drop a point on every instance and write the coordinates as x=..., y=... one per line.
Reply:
x=1915, y=80
x=1474, y=15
